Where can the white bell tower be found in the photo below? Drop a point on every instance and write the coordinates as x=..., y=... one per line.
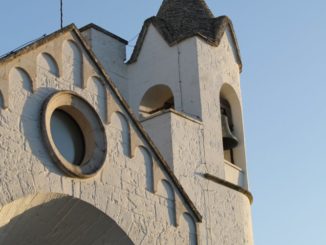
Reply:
x=184, y=84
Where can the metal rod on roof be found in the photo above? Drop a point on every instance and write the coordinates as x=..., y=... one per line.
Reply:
x=61, y=14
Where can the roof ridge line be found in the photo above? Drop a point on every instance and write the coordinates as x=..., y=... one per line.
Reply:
x=104, y=31
x=38, y=42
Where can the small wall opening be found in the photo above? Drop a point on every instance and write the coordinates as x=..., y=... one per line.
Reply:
x=52, y=219
x=157, y=98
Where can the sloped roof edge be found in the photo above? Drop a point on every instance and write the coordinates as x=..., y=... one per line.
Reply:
x=124, y=103
x=13, y=54
x=221, y=24
x=104, y=31
x=140, y=127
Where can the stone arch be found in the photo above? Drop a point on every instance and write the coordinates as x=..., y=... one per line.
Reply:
x=18, y=73
x=120, y=125
x=99, y=97
x=48, y=63
x=20, y=87
x=229, y=94
x=72, y=63
x=188, y=226
x=165, y=190
x=57, y=219
x=157, y=98
x=142, y=163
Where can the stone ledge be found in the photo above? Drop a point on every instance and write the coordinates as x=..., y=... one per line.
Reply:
x=230, y=185
x=160, y=113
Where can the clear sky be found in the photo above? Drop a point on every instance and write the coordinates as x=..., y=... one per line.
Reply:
x=283, y=47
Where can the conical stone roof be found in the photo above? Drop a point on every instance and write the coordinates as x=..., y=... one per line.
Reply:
x=178, y=20
x=184, y=18
x=176, y=9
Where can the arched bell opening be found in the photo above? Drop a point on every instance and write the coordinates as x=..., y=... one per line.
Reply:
x=57, y=219
x=230, y=140
x=157, y=98
x=232, y=126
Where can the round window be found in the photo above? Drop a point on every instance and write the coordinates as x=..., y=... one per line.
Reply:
x=67, y=137
x=74, y=134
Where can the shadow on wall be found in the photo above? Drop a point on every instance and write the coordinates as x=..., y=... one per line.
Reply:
x=99, y=96
x=32, y=131
x=1, y=101
x=72, y=70
x=156, y=98
x=25, y=107
x=143, y=165
x=166, y=191
x=120, y=123
x=64, y=220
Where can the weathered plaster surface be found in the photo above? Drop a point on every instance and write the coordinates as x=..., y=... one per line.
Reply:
x=122, y=190
x=197, y=74
x=112, y=54
x=176, y=67
x=133, y=188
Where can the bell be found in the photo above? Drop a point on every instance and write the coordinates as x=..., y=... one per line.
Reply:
x=229, y=139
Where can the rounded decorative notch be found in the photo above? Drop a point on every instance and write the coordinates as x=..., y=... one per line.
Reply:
x=74, y=134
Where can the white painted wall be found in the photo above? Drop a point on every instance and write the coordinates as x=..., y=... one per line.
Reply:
x=112, y=55
x=219, y=72
x=159, y=129
x=176, y=67
x=197, y=148
x=218, y=66
x=120, y=190
x=195, y=72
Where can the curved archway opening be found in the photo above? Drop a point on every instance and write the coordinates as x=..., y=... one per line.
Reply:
x=157, y=98
x=57, y=219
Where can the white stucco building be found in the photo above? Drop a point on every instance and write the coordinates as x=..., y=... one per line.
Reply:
x=97, y=149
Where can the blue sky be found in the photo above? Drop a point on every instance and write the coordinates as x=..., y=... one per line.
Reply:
x=283, y=47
